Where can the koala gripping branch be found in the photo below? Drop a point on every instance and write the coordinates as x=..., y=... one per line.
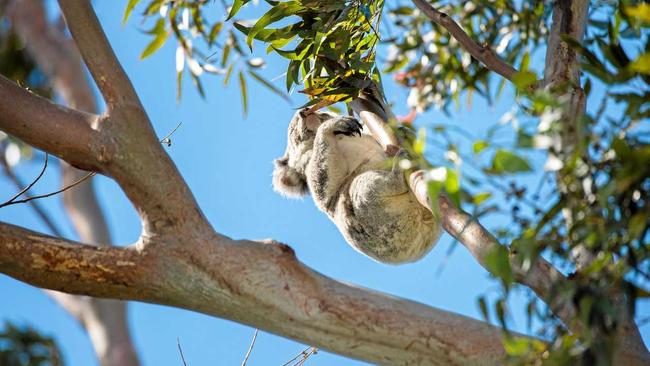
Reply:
x=460, y=225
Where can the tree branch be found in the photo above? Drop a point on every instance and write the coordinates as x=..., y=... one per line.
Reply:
x=259, y=284
x=60, y=131
x=96, y=51
x=370, y=107
x=262, y=285
x=484, y=54
x=540, y=277
x=142, y=168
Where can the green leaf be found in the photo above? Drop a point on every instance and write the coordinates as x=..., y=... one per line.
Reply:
x=420, y=142
x=508, y=162
x=129, y=8
x=179, y=85
x=158, y=41
x=482, y=304
x=641, y=12
x=637, y=225
x=402, y=10
x=292, y=74
x=225, y=54
x=497, y=262
x=479, y=146
x=244, y=93
x=500, y=308
x=158, y=28
x=226, y=79
x=267, y=84
x=641, y=64
x=214, y=32
x=198, y=84
x=525, y=62
x=236, y=5
x=297, y=54
x=276, y=13
x=481, y=197
x=452, y=186
x=275, y=35
x=522, y=346
x=524, y=79
x=524, y=140
x=434, y=188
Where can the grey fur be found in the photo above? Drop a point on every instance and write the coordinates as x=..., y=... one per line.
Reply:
x=350, y=179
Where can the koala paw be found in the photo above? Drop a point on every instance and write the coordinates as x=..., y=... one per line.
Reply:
x=348, y=127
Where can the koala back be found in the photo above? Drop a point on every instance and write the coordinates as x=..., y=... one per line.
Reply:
x=388, y=228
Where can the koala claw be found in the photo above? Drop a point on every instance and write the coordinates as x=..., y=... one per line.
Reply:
x=348, y=127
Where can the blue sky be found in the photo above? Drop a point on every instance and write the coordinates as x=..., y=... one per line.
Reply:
x=227, y=162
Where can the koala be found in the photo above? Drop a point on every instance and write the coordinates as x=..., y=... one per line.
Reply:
x=363, y=191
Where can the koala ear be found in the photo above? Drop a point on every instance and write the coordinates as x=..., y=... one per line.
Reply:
x=288, y=181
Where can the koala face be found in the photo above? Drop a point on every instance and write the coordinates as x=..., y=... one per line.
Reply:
x=289, y=174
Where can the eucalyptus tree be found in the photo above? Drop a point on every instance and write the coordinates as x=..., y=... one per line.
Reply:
x=578, y=239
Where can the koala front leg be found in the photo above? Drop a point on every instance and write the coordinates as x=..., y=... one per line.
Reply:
x=328, y=168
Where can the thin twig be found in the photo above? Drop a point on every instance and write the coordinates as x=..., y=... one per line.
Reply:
x=250, y=348
x=166, y=140
x=305, y=354
x=12, y=200
x=180, y=350
x=40, y=211
x=25, y=200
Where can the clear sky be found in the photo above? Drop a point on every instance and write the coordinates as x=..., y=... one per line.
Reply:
x=227, y=162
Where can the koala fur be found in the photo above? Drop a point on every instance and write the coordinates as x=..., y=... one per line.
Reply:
x=350, y=179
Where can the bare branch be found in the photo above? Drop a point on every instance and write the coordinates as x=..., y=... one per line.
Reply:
x=98, y=55
x=250, y=348
x=40, y=211
x=60, y=131
x=24, y=190
x=304, y=354
x=54, y=193
x=484, y=54
x=180, y=350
